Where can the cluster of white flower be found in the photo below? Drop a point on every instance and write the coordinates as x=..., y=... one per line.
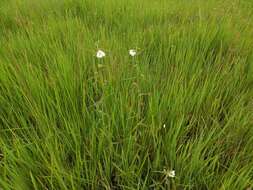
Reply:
x=133, y=52
x=101, y=54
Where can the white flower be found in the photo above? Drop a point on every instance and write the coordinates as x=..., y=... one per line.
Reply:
x=172, y=173
x=132, y=52
x=164, y=126
x=100, y=54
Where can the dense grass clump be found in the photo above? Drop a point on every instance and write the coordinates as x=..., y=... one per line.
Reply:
x=184, y=102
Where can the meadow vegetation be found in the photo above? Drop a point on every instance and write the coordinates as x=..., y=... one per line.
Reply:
x=184, y=102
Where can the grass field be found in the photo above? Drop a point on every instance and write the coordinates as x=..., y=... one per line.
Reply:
x=183, y=103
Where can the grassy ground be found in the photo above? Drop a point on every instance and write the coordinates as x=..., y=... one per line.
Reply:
x=69, y=120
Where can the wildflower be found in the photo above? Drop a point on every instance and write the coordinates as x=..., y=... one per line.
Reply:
x=172, y=173
x=100, y=54
x=132, y=52
x=164, y=126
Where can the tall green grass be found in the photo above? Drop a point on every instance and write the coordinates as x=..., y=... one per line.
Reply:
x=71, y=121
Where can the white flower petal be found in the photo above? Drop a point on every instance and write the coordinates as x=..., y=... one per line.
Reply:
x=172, y=173
x=132, y=52
x=100, y=54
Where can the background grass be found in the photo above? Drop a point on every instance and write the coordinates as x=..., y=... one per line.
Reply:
x=71, y=121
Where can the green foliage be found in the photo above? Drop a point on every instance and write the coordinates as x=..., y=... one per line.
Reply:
x=69, y=120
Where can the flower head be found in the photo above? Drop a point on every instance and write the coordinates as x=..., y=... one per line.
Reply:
x=164, y=126
x=100, y=54
x=132, y=52
x=172, y=173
